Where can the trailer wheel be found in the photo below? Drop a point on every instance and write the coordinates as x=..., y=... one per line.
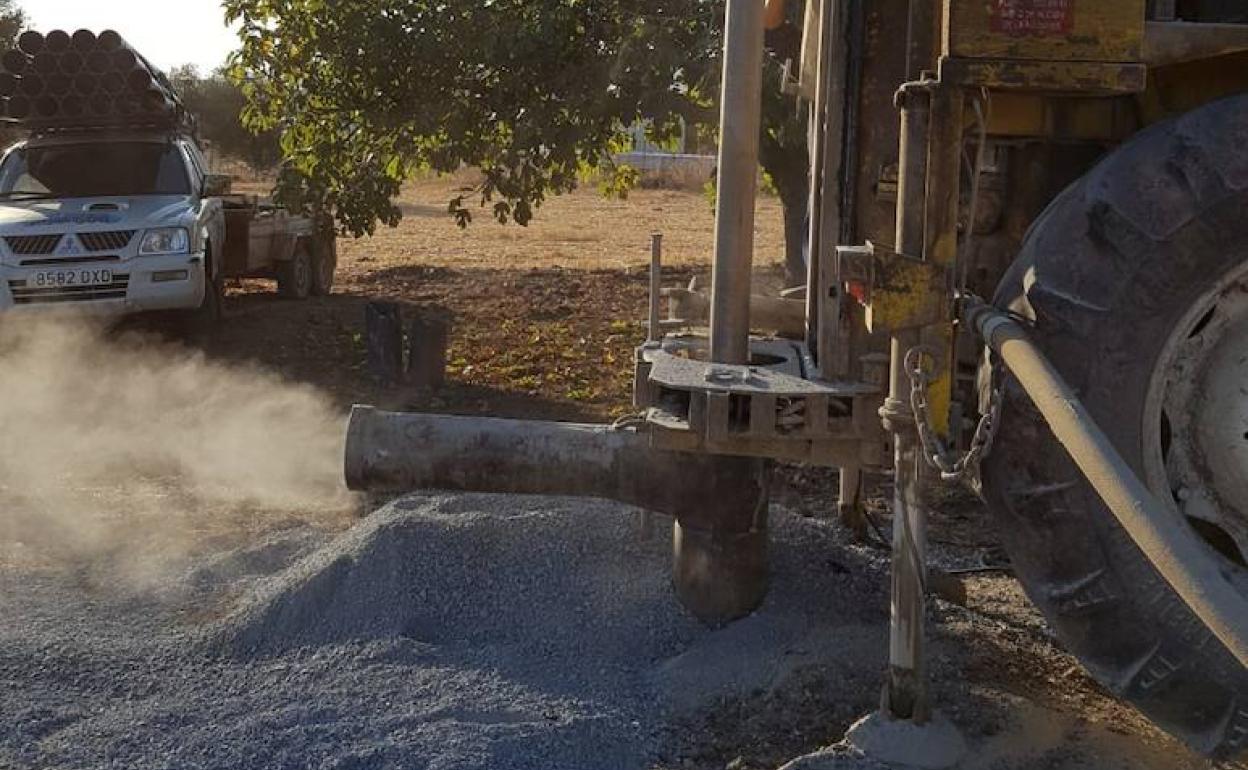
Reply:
x=295, y=277
x=324, y=266
x=1135, y=281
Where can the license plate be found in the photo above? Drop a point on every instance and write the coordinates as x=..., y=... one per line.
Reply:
x=58, y=279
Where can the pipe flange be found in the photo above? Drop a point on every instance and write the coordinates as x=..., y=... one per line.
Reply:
x=898, y=415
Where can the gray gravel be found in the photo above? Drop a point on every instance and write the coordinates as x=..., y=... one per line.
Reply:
x=443, y=632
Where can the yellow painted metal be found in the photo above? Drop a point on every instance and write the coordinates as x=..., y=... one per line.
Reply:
x=1054, y=30
x=1182, y=88
x=1020, y=114
x=1171, y=42
x=1044, y=75
x=944, y=174
x=906, y=294
x=940, y=340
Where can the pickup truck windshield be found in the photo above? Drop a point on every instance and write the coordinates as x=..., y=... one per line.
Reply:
x=92, y=170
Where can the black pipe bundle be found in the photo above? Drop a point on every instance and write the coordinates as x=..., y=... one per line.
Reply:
x=84, y=80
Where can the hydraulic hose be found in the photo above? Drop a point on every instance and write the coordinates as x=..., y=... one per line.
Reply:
x=1183, y=561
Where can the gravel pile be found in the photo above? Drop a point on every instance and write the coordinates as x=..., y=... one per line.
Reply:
x=443, y=632
x=481, y=633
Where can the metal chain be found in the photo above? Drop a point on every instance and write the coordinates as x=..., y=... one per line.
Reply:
x=953, y=467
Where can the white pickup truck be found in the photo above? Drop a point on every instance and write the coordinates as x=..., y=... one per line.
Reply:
x=128, y=221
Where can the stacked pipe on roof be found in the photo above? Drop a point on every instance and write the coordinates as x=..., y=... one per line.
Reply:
x=61, y=79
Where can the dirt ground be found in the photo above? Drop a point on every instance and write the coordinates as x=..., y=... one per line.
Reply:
x=545, y=320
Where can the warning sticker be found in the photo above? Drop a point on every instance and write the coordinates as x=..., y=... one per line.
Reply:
x=1033, y=18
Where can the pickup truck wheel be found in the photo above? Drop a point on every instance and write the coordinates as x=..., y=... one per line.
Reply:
x=324, y=266
x=201, y=321
x=295, y=278
x=1134, y=284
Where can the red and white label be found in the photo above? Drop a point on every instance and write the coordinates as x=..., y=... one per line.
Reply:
x=1033, y=18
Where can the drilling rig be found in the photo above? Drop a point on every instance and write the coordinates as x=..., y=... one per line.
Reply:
x=1028, y=272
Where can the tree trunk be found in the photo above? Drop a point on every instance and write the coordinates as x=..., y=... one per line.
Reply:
x=786, y=158
x=796, y=202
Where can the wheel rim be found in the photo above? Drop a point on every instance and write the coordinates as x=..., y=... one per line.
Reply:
x=1196, y=420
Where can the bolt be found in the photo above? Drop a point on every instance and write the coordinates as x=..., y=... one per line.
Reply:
x=724, y=375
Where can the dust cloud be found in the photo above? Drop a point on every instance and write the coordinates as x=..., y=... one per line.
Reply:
x=122, y=455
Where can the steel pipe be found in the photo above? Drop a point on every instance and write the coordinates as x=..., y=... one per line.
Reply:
x=655, y=325
x=86, y=84
x=30, y=42
x=57, y=41
x=112, y=83
x=110, y=41
x=31, y=85
x=46, y=63
x=15, y=62
x=101, y=106
x=19, y=107
x=47, y=107
x=99, y=62
x=740, y=121
x=72, y=62
x=1173, y=548
x=73, y=106
x=84, y=40
x=58, y=84
x=720, y=503
x=124, y=60
x=819, y=118
x=139, y=80
x=906, y=691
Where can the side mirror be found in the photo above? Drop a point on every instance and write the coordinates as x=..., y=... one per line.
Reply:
x=216, y=185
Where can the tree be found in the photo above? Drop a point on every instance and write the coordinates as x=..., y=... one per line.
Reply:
x=12, y=22
x=218, y=105
x=531, y=92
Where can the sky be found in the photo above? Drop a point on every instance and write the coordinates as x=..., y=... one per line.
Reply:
x=167, y=32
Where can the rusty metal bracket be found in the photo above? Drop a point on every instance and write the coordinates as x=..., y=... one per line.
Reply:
x=899, y=292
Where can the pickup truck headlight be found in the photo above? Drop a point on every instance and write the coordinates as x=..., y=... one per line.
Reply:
x=167, y=240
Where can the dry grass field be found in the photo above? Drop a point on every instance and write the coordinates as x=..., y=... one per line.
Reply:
x=581, y=231
x=545, y=318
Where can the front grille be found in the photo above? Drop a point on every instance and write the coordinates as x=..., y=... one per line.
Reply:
x=111, y=241
x=31, y=245
x=69, y=261
x=22, y=295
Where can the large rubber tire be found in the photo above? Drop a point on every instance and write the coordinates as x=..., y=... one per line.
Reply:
x=1105, y=276
x=296, y=277
x=324, y=266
